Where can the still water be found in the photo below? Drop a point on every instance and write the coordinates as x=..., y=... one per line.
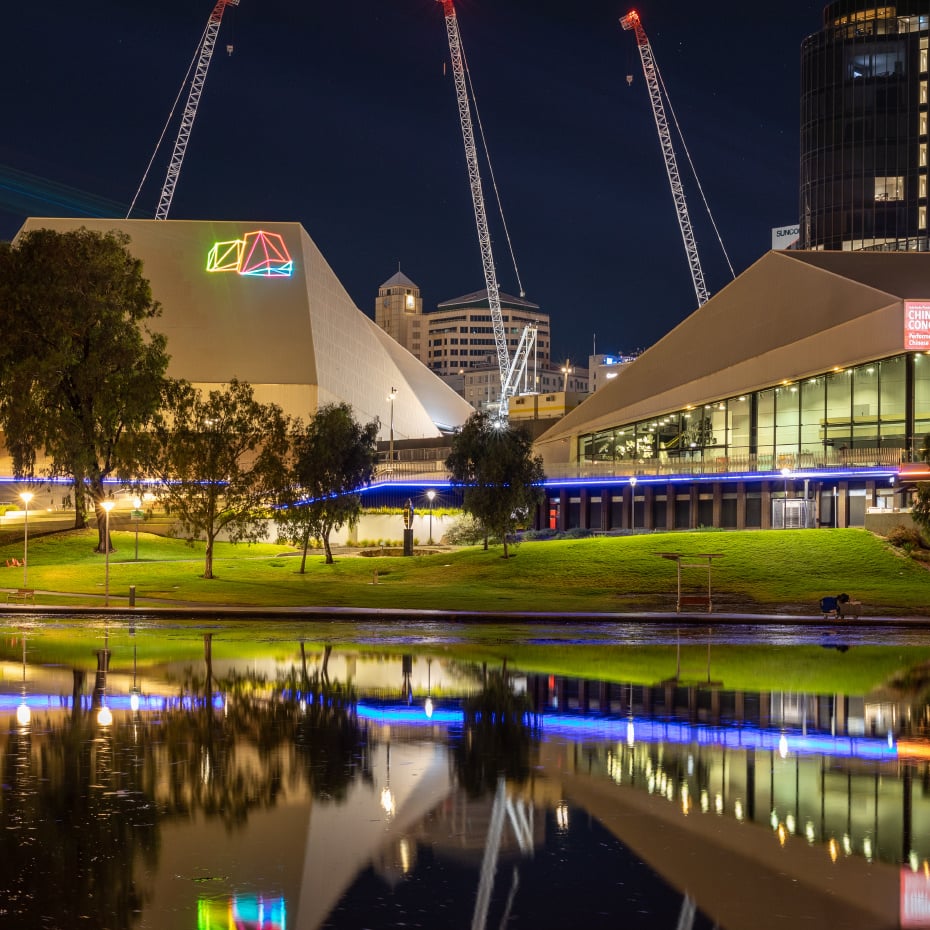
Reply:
x=272, y=775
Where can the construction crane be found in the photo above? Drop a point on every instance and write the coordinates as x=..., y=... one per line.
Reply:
x=207, y=44
x=511, y=371
x=632, y=21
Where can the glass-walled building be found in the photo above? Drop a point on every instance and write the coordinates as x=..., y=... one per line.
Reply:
x=864, y=127
x=797, y=396
x=843, y=415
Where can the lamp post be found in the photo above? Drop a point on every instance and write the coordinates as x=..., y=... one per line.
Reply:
x=137, y=506
x=26, y=496
x=392, y=397
x=633, y=502
x=107, y=506
x=430, y=495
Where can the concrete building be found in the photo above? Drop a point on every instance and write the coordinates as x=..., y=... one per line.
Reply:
x=798, y=395
x=461, y=334
x=482, y=385
x=259, y=302
x=604, y=368
x=864, y=113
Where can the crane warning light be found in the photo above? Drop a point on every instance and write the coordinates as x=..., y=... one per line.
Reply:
x=257, y=254
x=630, y=20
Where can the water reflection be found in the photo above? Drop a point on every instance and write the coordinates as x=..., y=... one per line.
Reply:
x=312, y=785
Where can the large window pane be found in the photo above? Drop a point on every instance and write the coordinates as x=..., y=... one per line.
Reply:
x=787, y=419
x=813, y=409
x=865, y=406
x=892, y=382
x=839, y=409
x=766, y=423
x=921, y=398
x=738, y=423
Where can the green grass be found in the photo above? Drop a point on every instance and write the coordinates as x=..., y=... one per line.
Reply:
x=759, y=571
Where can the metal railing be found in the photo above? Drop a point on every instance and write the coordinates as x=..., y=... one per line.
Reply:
x=766, y=464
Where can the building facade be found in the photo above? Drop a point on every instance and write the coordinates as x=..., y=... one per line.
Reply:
x=399, y=312
x=461, y=334
x=864, y=126
x=797, y=396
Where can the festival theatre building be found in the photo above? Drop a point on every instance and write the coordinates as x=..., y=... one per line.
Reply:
x=797, y=396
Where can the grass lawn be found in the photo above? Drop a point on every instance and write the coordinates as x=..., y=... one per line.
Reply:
x=764, y=571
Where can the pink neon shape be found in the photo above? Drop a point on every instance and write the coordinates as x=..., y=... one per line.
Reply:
x=265, y=255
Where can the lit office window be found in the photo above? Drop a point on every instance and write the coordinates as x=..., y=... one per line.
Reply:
x=890, y=188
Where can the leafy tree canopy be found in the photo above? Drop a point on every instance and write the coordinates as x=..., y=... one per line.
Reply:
x=220, y=461
x=80, y=370
x=495, y=466
x=333, y=456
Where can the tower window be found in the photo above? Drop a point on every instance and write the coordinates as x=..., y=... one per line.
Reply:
x=889, y=188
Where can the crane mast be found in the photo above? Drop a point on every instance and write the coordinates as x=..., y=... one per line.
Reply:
x=508, y=382
x=190, y=110
x=632, y=21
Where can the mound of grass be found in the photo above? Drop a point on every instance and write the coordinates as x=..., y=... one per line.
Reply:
x=764, y=571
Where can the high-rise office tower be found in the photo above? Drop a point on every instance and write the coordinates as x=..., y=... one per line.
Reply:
x=864, y=105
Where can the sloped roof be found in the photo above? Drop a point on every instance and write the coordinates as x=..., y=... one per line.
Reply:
x=790, y=315
x=399, y=280
x=481, y=299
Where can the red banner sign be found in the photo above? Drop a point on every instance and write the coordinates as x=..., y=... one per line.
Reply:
x=917, y=325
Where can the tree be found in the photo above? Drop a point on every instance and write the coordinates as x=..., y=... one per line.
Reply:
x=333, y=456
x=495, y=466
x=80, y=370
x=220, y=461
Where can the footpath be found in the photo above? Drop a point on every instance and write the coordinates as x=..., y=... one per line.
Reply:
x=89, y=605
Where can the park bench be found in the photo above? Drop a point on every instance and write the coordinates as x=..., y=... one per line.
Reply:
x=21, y=594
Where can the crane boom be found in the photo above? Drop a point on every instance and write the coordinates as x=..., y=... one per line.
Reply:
x=190, y=110
x=477, y=196
x=632, y=21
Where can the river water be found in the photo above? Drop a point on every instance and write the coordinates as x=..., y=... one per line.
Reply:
x=227, y=775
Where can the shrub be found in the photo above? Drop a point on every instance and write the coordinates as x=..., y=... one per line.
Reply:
x=905, y=537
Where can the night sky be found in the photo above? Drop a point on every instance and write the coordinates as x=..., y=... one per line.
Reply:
x=339, y=115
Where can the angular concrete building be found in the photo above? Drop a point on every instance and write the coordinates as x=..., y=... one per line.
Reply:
x=258, y=302
x=798, y=395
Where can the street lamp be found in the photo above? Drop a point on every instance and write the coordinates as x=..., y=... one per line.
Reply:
x=430, y=495
x=26, y=497
x=392, y=397
x=137, y=506
x=107, y=506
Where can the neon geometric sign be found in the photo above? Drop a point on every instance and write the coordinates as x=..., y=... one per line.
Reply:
x=257, y=254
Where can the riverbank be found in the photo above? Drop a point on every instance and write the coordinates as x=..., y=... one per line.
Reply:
x=777, y=574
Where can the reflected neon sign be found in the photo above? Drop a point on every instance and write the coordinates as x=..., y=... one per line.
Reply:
x=258, y=254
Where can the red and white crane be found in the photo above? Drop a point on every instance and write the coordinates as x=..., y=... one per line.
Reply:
x=511, y=370
x=203, y=57
x=654, y=82
x=190, y=110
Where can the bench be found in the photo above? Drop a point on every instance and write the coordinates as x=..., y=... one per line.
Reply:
x=21, y=594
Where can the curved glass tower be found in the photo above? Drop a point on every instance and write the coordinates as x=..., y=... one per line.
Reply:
x=864, y=123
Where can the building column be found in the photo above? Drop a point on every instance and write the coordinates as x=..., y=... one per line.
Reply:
x=670, y=506
x=627, y=515
x=563, y=509
x=693, y=506
x=842, y=505
x=870, y=495
x=717, y=518
x=584, y=515
x=766, y=505
x=649, y=495
x=741, y=505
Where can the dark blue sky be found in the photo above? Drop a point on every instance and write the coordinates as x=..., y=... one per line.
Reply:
x=339, y=115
